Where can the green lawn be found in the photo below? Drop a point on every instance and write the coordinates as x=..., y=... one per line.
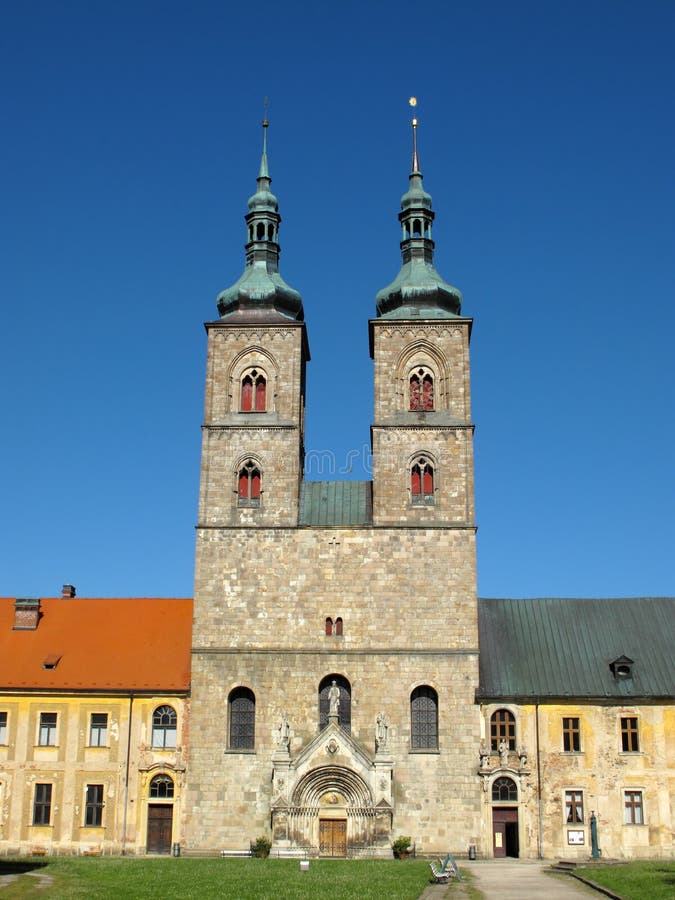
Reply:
x=636, y=881
x=237, y=879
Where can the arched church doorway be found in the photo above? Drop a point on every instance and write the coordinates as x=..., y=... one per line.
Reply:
x=505, y=818
x=160, y=815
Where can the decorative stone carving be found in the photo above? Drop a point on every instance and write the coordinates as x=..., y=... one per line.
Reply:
x=283, y=737
x=333, y=699
x=381, y=728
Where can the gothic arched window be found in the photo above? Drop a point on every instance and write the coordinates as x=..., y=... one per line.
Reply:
x=424, y=718
x=338, y=625
x=241, y=705
x=161, y=787
x=502, y=728
x=253, y=392
x=504, y=790
x=164, y=727
x=345, y=705
x=421, y=390
x=422, y=482
x=329, y=625
x=248, y=484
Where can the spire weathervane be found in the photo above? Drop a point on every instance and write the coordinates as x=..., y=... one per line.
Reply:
x=415, y=161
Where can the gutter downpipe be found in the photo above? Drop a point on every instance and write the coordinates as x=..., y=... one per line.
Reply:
x=126, y=779
x=540, y=836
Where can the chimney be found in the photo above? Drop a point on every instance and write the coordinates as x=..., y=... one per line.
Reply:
x=26, y=614
x=67, y=591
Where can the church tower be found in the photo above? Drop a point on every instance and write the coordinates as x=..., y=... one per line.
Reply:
x=335, y=645
x=422, y=433
x=253, y=451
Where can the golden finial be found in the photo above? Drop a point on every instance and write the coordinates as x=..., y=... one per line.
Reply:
x=415, y=162
x=266, y=103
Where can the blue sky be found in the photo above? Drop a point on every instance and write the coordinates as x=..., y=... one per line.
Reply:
x=131, y=144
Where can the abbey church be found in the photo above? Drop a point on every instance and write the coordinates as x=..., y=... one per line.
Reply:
x=336, y=682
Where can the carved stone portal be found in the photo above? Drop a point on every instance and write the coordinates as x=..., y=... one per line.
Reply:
x=332, y=779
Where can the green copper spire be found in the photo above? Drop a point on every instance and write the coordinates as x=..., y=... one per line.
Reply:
x=261, y=294
x=418, y=290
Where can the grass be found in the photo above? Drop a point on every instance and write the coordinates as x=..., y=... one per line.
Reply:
x=236, y=879
x=636, y=881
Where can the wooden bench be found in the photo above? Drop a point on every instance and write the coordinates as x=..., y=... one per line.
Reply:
x=230, y=854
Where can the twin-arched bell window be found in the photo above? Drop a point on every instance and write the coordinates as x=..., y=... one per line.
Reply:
x=422, y=482
x=253, y=392
x=421, y=390
x=249, y=484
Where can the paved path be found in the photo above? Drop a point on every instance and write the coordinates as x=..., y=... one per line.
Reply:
x=523, y=879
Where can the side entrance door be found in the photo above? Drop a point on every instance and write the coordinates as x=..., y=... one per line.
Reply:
x=160, y=821
x=333, y=837
x=504, y=831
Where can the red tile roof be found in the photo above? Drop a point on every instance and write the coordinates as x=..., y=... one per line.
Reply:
x=140, y=644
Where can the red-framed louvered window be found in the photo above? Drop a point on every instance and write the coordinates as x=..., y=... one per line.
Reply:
x=329, y=625
x=421, y=391
x=248, y=490
x=253, y=392
x=422, y=483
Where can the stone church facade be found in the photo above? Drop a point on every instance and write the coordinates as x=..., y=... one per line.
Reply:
x=368, y=585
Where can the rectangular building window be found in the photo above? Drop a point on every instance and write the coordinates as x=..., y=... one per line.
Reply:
x=42, y=805
x=571, y=734
x=47, y=736
x=3, y=727
x=93, y=806
x=574, y=807
x=629, y=734
x=633, y=808
x=98, y=730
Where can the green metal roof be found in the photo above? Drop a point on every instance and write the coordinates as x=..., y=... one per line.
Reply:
x=336, y=503
x=562, y=648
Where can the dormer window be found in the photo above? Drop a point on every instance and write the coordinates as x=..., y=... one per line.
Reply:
x=421, y=390
x=51, y=661
x=622, y=668
x=253, y=392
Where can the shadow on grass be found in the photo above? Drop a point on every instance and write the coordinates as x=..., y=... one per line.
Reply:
x=20, y=866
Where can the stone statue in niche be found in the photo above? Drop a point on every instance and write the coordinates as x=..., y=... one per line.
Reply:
x=522, y=756
x=284, y=737
x=503, y=753
x=333, y=699
x=484, y=755
x=381, y=727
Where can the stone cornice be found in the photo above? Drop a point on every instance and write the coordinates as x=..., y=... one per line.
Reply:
x=425, y=526
x=249, y=427
x=467, y=427
x=339, y=654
